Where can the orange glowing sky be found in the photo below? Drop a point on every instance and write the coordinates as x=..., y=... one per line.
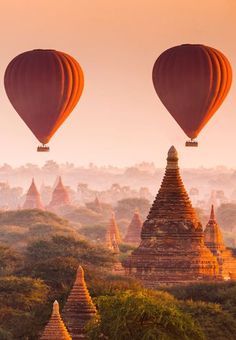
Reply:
x=119, y=119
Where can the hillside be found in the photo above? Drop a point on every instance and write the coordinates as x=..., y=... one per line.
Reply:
x=19, y=227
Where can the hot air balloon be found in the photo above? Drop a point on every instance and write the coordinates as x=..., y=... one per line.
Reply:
x=192, y=81
x=43, y=86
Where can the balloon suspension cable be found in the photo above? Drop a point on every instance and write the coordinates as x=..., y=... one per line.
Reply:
x=43, y=148
x=191, y=142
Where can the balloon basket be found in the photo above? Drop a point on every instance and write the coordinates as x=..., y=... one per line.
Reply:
x=43, y=148
x=191, y=143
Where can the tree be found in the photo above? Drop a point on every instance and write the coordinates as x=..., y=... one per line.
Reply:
x=143, y=315
x=9, y=260
x=125, y=207
x=21, y=305
x=222, y=293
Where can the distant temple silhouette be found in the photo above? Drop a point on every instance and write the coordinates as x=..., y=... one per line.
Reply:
x=60, y=196
x=214, y=241
x=33, y=198
x=114, y=229
x=133, y=234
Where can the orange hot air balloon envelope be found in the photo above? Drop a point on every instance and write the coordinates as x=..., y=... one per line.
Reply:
x=192, y=81
x=44, y=86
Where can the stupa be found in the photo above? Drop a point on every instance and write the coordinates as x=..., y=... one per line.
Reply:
x=96, y=205
x=212, y=234
x=114, y=229
x=172, y=248
x=133, y=235
x=79, y=308
x=33, y=199
x=55, y=329
x=214, y=241
x=60, y=196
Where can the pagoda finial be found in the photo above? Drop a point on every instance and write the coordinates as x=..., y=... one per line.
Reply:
x=172, y=158
x=55, y=309
x=212, y=216
x=79, y=275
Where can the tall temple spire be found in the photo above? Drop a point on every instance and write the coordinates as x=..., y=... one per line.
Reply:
x=133, y=234
x=172, y=201
x=97, y=205
x=33, y=199
x=114, y=229
x=214, y=241
x=79, y=308
x=60, y=195
x=55, y=329
x=172, y=246
x=108, y=242
x=212, y=234
x=212, y=216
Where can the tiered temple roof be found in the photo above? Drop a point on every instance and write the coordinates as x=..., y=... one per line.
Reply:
x=60, y=196
x=55, y=329
x=79, y=308
x=33, y=199
x=133, y=234
x=172, y=246
x=214, y=241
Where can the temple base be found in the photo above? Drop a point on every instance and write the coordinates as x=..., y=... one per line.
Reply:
x=43, y=148
x=191, y=143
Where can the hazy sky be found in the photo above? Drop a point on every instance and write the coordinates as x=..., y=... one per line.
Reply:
x=119, y=119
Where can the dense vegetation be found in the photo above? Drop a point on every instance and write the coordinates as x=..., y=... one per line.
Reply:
x=33, y=276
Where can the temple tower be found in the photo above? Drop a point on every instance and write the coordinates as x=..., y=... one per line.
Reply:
x=133, y=235
x=79, y=308
x=214, y=241
x=212, y=234
x=97, y=205
x=60, y=196
x=172, y=246
x=55, y=329
x=33, y=199
x=114, y=229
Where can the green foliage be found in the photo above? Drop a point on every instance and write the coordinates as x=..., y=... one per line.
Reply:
x=126, y=247
x=215, y=323
x=27, y=218
x=61, y=246
x=94, y=232
x=56, y=261
x=9, y=260
x=222, y=293
x=143, y=315
x=83, y=216
x=17, y=228
x=110, y=285
x=20, y=302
